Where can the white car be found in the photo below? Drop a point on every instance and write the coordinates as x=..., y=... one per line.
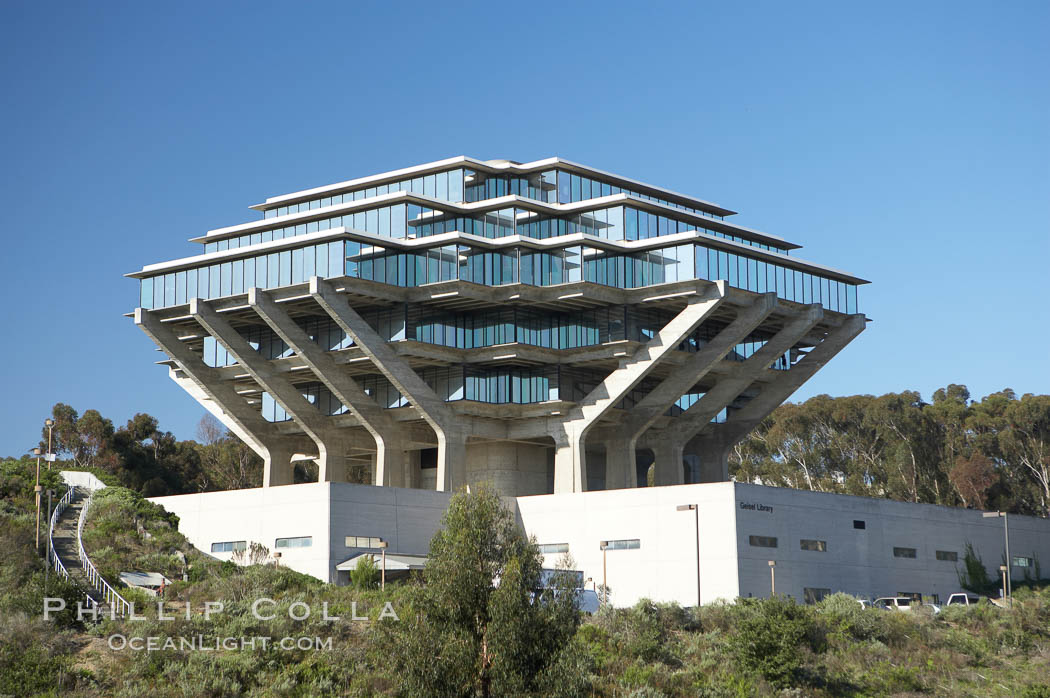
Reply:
x=900, y=603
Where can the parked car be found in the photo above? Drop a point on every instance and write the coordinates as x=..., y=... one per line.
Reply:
x=934, y=608
x=864, y=603
x=899, y=603
x=962, y=599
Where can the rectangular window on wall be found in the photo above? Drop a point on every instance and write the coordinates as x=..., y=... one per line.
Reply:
x=947, y=555
x=762, y=541
x=169, y=289
x=818, y=546
x=337, y=264
x=297, y=266
x=146, y=293
x=180, y=287
x=553, y=548
x=625, y=544
x=812, y=595
x=298, y=542
x=230, y=546
x=226, y=277
x=909, y=553
x=273, y=271
x=238, y=276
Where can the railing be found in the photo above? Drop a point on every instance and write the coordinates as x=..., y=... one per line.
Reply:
x=52, y=556
x=117, y=603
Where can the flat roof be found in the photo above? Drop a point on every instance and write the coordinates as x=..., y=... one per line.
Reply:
x=493, y=167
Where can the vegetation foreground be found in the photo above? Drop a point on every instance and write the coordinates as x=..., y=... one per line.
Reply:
x=458, y=635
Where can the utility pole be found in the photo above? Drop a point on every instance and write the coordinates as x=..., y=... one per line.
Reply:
x=382, y=578
x=38, y=489
x=772, y=578
x=50, y=424
x=604, y=545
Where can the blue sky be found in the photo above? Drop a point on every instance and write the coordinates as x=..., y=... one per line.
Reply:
x=907, y=143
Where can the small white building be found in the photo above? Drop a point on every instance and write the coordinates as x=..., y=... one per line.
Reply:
x=820, y=543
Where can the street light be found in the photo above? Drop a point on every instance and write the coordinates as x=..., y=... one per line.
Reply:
x=1003, y=569
x=50, y=424
x=696, y=515
x=38, y=489
x=772, y=578
x=382, y=579
x=1008, y=586
x=604, y=545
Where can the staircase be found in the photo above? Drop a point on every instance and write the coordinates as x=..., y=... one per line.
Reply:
x=66, y=549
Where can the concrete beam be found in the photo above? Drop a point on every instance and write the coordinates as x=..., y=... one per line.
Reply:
x=700, y=414
x=331, y=459
x=206, y=385
x=451, y=436
x=390, y=438
x=714, y=445
x=664, y=395
x=570, y=470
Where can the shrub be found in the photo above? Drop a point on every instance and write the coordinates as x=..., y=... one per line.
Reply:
x=771, y=637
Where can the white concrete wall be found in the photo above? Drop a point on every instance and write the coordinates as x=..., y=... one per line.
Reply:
x=861, y=562
x=259, y=515
x=328, y=512
x=664, y=567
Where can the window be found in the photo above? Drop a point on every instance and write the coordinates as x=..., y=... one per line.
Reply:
x=813, y=595
x=819, y=546
x=627, y=544
x=857, y=523
x=948, y=555
x=552, y=548
x=762, y=541
x=363, y=542
x=230, y=546
x=1024, y=562
x=300, y=542
x=905, y=552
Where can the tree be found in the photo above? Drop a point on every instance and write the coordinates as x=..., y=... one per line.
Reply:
x=481, y=625
x=1025, y=444
x=366, y=574
x=227, y=463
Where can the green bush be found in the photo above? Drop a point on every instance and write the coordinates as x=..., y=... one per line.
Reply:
x=771, y=638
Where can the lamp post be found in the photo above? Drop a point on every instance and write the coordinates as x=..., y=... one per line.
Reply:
x=604, y=545
x=382, y=578
x=696, y=515
x=1002, y=572
x=772, y=578
x=38, y=489
x=1008, y=584
x=50, y=424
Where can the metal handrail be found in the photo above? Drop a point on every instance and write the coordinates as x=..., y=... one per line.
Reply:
x=52, y=556
x=116, y=602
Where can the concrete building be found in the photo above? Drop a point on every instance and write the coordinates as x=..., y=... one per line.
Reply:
x=821, y=543
x=545, y=327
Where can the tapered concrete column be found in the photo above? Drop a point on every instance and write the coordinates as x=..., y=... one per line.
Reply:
x=390, y=439
x=451, y=460
x=684, y=377
x=667, y=457
x=700, y=414
x=716, y=442
x=620, y=468
x=208, y=387
x=331, y=446
x=570, y=460
x=451, y=441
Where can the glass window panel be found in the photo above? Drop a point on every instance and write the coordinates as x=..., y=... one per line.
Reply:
x=180, y=287
x=226, y=277
x=273, y=271
x=213, y=281
x=297, y=266
x=238, y=276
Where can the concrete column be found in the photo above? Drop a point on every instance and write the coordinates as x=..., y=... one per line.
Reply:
x=246, y=422
x=620, y=464
x=667, y=457
x=389, y=437
x=451, y=460
x=330, y=446
x=570, y=464
x=700, y=414
x=451, y=441
x=715, y=442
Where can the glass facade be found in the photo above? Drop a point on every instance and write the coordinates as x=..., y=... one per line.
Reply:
x=509, y=265
x=464, y=185
x=410, y=220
